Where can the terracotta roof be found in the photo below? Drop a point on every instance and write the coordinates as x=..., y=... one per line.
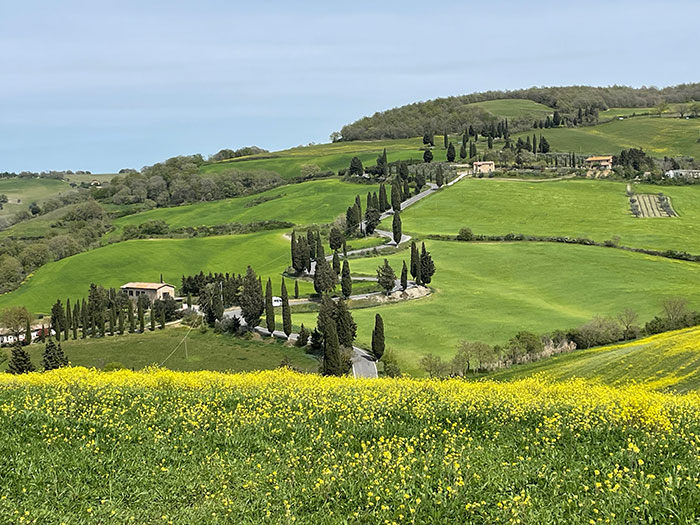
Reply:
x=600, y=157
x=146, y=286
x=482, y=162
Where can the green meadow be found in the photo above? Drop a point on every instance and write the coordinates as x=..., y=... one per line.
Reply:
x=488, y=292
x=668, y=361
x=28, y=191
x=515, y=108
x=578, y=208
x=208, y=351
x=318, y=201
x=145, y=260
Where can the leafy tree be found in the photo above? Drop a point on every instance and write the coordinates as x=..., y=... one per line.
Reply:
x=404, y=277
x=252, y=303
x=15, y=320
x=386, y=277
x=336, y=263
x=324, y=277
x=346, y=279
x=336, y=238
x=20, y=362
x=427, y=266
x=524, y=343
x=356, y=167
x=378, y=337
x=396, y=227
x=269, y=308
x=286, y=311
x=451, y=152
x=332, y=365
x=427, y=156
x=428, y=139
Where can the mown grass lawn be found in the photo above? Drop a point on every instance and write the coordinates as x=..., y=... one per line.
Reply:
x=668, y=361
x=489, y=292
x=208, y=351
x=577, y=208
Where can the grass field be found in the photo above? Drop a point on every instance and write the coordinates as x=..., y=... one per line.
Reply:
x=207, y=351
x=28, y=191
x=579, y=208
x=279, y=447
x=145, y=260
x=318, y=201
x=488, y=292
x=514, y=108
x=658, y=137
x=668, y=361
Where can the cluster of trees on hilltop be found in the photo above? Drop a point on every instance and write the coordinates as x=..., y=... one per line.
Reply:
x=178, y=181
x=226, y=153
x=52, y=174
x=454, y=114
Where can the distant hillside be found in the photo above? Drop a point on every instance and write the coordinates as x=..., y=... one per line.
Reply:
x=668, y=361
x=453, y=114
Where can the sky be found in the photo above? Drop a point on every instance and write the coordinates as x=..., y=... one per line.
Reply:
x=103, y=85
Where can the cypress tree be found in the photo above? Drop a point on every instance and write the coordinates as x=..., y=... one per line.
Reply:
x=472, y=150
x=57, y=318
x=48, y=360
x=101, y=322
x=396, y=227
x=269, y=309
x=252, y=302
x=326, y=313
x=162, y=318
x=414, y=259
x=286, y=311
x=311, y=243
x=378, y=337
x=375, y=201
x=346, y=280
x=386, y=277
x=427, y=156
x=130, y=315
x=324, y=277
x=490, y=142
x=68, y=321
x=112, y=320
x=445, y=140
x=383, y=202
x=336, y=263
x=358, y=204
x=318, y=252
x=86, y=319
x=427, y=266
x=406, y=190
x=396, y=195
x=463, y=152
x=295, y=248
x=296, y=289
x=217, y=304
x=76, y=319
x=450, y=153
x=189, y=300
x=20, y=362
x=153, y=319
x=42, y=334
x=142, y=320
x=331, y=352
x=93, y=324
x=534, y=144
x=404, y=277
x=28, y=333
x=345, y=325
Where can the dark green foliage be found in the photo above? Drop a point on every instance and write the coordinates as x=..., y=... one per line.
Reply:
x=420, y=181
x=445, y=140
x=372, y=219
x=450, y=152
x=326, y=314
x=352, y=220
x=76, y=319
x=336, y=238
x=153, y=319
x=132, y=321
x=427, y=266
x=324, y=277
x=58, y=318
x=406, y=190
x=386, y=277
x=346, y=280
x=427, y=156
x=67, y=321
x=378, y=336
x=317, y=253
x=404, y=276
x=296, y=289
x=303, y=336
x=428, y=139
x=415, y=260
x=356, y=167
x=544, y=145
x=383, y=164
x=286, y=311
x=20, y=363
x=336, y=263
x=490, y=142
x=252, y=302
x=396, y=227
x=472, y=150
x=53, y=356
x=556, y=119
x=316, y=344
x=439, y=178
x=121, y=322
x=383, y=202
x=396, y=195
x=462, y=152
x=403, y=170
x=161, y=318
x=345, y=325
x=269, y=309
x=332, y=364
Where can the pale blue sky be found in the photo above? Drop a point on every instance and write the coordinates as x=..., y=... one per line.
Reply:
x=104, y=85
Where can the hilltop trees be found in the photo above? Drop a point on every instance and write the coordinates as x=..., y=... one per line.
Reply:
x=252, y=302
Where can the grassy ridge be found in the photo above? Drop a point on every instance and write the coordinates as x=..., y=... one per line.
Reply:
x=514, y=108
x=578, y=208
x=145, y=260
x=306, y=203
x=279, y=447
x=28, y=191
x=489, y=292
x=668, y=361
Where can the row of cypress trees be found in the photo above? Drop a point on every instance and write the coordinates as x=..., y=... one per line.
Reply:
x=21, y=363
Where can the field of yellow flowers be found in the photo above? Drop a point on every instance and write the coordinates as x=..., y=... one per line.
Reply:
x=81, y=446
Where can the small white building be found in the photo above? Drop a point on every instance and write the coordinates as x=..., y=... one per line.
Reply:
x=682, y=174
x=276, y=301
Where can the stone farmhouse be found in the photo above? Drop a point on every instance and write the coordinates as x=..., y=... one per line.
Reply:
x=152, y=290
x=600, y=162
x=486, y=166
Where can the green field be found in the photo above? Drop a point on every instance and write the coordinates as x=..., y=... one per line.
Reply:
x=28, y=191
x=318, y=201
x=578, y=208
x=488, y=292
x=326, y=156
x=207, y=351
x=668, y=361
x=145, y=260
x=515, y=108
x=658, y=137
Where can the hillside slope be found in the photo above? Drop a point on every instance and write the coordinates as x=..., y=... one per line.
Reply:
x=668, y=361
